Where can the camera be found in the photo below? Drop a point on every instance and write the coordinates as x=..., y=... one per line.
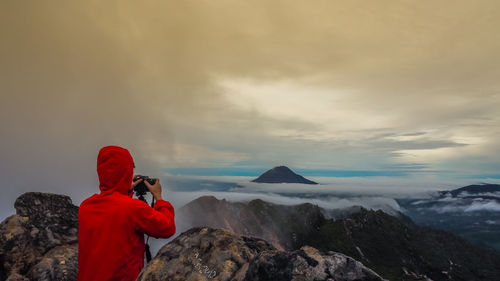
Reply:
x=141, y=188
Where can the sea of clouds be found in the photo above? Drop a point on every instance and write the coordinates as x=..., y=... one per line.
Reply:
x=330, y=193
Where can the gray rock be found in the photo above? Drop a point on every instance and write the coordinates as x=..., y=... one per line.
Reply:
x=204, y=253
x=52, y=218
x=17, y=277
x=307, y=264
x=60, y=263
x=42, y=222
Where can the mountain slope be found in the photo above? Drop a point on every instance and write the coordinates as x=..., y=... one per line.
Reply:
x=394, y=247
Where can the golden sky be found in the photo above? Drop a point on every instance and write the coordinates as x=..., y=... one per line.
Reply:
x=340, y=85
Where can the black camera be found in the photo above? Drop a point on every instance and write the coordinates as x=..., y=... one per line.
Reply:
x=141, y=188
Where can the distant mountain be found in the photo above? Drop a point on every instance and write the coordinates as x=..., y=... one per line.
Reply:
x=472, y=211
x=481, y=227
x=394, y=247
x=282, y=174
x=474, y=190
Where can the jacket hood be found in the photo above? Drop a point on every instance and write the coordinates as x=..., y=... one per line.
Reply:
x=115, y=168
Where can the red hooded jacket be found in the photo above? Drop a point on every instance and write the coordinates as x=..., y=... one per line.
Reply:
x=112, y=224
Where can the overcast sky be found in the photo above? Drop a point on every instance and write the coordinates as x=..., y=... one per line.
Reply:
x=407, y=86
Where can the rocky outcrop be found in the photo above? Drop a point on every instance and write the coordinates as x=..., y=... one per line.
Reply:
x=60, y=263
x=205, y=253
x=307, y=264
x=39, y=241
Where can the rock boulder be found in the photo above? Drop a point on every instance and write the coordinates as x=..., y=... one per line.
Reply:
x=42, y=222
x=204, y=253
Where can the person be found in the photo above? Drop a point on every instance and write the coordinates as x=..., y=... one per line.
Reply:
x=112, y=224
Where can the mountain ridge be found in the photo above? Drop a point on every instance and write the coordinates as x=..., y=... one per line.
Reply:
x=394, y=247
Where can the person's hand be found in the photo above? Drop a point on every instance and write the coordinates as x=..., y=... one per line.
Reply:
x=135, y=181
x=155, y=189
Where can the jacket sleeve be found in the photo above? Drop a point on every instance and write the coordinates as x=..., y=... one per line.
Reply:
x=158, y=222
